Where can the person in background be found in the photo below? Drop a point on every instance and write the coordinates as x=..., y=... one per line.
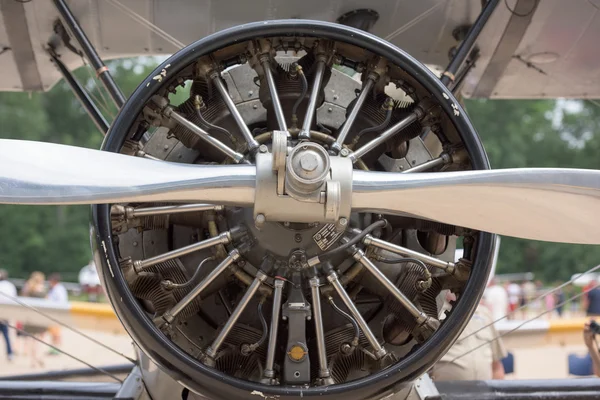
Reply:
x=590, y=342
x=496, y=299
x=550, y=301
x=514, y=295
x=528, y=290
x=560, y=298
x=90, y=282
x=57, y=294
x=34, y=287
x=476, y=355
x=592, y=300
x=6, y=288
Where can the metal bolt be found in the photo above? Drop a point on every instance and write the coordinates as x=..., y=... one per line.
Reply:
x=166, y=147
x=263, y=148
x=309, y=162
x=345, y=152
x=335, y=97
x=250, y=93
x=298, y=238
x=255, y=106
x=342, y=222
x=330, y=110
x=259, y=221
x=135, y=244
x=286, y=224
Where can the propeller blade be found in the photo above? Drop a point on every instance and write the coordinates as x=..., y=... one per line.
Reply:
x=46, y=173
x=555, y=205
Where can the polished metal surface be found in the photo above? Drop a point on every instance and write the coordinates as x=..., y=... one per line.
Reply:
x=266, y=64
x=436, y=162
x=269, y=373
x=59, y=174
x=339, y=141
x=235, y=113
x=307, y=168
x=222, y=147
x=370, y=240
x=312, y=102
x=160, y=210
x=359, y=256
x=551, y=204
x=388, y=133
x=319, y=332
x=233, y=256
x=239, y=309
x=364, y=327
x=223, y=238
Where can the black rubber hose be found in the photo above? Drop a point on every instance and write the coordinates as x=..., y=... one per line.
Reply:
x=385, y=123
x=349, y=318
x=426, y=273
x=215, y=127
x=170, y=285
x=263, y=322
x=265, y=329
x=302, y=93
x=356, y=239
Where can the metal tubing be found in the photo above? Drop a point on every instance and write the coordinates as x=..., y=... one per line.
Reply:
x=90, y=52
x=142, y=153
x=319, y=331
x=233, y=256
x=223, y=238
x=218, y=82
x=388, y=133
x=274, y=96
x=469, y=41
x=312, y=102
x=379, y=350
x=427, y=165
x=228, y=151
x=81, y=94
x=337, y=146
x=143, y=212
x=277, y=294
x=239, y=309
x=394, y=248
x=359, y=256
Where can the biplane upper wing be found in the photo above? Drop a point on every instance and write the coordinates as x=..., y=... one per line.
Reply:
x=529, y=48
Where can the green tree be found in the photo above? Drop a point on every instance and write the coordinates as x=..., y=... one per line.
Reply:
x=55, y=238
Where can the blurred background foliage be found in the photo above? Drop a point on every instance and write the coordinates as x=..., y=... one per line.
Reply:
x=516, y=133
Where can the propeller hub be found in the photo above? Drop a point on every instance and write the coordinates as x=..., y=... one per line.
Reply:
x=307, y=168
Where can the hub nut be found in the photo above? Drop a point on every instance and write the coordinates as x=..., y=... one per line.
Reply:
x=307, y=170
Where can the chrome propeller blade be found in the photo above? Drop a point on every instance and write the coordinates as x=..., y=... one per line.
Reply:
x=46, y=173
x=555, y=205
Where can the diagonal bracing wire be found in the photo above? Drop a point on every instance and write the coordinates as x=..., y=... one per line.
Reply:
x=105, y=104
x=414, y=21
x=77, y=331
x=515, y=328
x=589, y=271
x=143, y=21
x=64, y=352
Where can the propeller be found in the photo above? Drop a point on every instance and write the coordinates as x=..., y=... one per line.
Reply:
x=550, y=204
x=45, y=173
x=558, y=205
